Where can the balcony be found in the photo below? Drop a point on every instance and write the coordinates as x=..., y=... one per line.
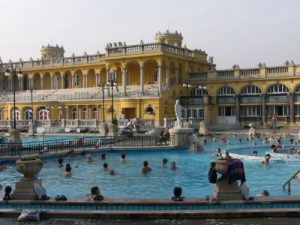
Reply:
x=250, y=100
x=192, y=100
x=225, y=100
x=278, y=99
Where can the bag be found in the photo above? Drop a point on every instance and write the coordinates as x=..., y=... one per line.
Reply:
x=212, y=176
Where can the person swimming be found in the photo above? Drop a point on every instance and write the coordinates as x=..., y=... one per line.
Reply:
x=173, y=166
x=266, y=160
x=68, y=170
x=123, y=157
x=146, y=168
x=105, y=167
x=218, y=152
x=89, y=158
x=61, y=161
x=164, y=162
x=103, y=156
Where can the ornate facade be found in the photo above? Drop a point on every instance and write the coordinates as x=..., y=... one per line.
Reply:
x=240, y=96
x=72, y=90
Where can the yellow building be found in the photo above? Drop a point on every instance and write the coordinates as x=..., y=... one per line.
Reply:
x=240, y=96
x=149, y=77
x=68, y=91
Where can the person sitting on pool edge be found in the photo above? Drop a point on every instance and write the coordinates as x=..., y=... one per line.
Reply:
x=7, y=195
x=96, y=194
x=146, y=168
x=177, y=194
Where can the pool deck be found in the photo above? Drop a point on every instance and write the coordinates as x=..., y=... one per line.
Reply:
x=12, y=208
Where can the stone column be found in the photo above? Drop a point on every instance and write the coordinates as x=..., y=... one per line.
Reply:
x=62, y=82
x=97, y=79
x=159, y=79
x=264, y=110
x=291, y=98
x=237, y=108
x=167, y=75
x=20, y=81
x=73, y=80
x=42, y=83
x=84, y=81
x=107, y=77
x=10, y=84
x=67, y=112
x=124, y=83
x=30, y=84
x=176, y=75
x=142, y=79
x=52, y=82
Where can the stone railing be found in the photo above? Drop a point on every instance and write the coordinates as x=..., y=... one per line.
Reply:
x=72, y=96
x=110, y=52
x=241, y=74
x=153, y=48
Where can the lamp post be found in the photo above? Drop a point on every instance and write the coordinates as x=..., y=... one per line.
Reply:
x=103, y=108
x=187, y=86
x=202, y=89
x=111, y=83
x=14, y=72
x=31, y=101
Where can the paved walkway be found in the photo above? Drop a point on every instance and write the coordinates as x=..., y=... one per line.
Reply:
x=252, y=221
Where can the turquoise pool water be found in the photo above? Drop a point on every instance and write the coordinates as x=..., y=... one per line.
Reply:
x=129, y=182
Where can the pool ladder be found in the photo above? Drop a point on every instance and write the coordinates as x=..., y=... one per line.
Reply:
x=288, y=183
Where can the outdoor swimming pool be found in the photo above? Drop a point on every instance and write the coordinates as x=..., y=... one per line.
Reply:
x=128, y=182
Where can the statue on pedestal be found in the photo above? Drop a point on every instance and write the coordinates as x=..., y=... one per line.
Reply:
x=178, y=113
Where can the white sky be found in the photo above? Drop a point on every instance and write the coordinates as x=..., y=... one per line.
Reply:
x=243, y=32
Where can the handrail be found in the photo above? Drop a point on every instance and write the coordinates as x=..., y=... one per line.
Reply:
x=288, y=182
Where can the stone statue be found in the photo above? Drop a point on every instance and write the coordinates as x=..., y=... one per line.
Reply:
x=178, y=109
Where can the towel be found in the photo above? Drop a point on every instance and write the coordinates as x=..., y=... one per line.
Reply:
x=234, y=170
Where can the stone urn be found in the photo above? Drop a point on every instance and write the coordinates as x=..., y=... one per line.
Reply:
x=220, y=166
x=29, y=167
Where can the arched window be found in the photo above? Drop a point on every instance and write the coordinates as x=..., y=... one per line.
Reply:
x=1, y=114
x=43, y=114
x=250, y=90
x=95, y=113
x=200, y=91
x=278, y=89
x=155, y=75
x=74, y=114
x=17, y=114
x=85, y=115
x=297, y=90
x=28, y=114
x=226, y=91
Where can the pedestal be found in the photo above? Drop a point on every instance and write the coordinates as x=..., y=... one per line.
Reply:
x=29, y=167
x=14, y=140
x=225, y=191
x=181, y=137
x=112, y=130
x=203, y=131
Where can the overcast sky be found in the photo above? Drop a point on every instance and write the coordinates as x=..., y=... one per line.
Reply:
x=243, y=32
